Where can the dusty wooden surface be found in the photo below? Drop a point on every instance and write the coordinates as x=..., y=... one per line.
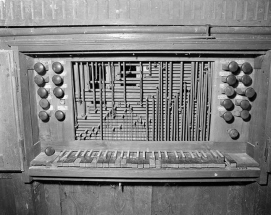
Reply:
x=9, y=146
x=143, y=12
x=100, y=199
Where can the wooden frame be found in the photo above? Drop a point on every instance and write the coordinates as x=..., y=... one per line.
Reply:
x=136, y=42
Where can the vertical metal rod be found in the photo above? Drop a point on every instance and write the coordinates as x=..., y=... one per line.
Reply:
x=82, y=80
x=124, y=84
x=131, y=129
x=161, y=102
x=170, y=96
x=101, y=101
x=205, y=104
x=75, y=73
x=141, y=84
x=166, y=104
x=96, y=71
x=104, y=84
x=168, y=119
x=147, y=118
x=153, y=119
x=77, y=76
x=192, y=100
x=181, y=128
x=197, y=103
x=172, y=120
x=158, y=92
x=93, y=85
x=195, y=100
x=157, y=114
x=111, y=122
x=181, y=100
x=176, y=102
x=110, y=85
x=209, y=99
x=112, y=75
x=196, y=79
x=200, y=101
x=117, y=127
x=88, y=77
x=170, y=81
x=184, y=114
x=105, y=127
x=188, y=115
x=150, y=69
x=125, y=124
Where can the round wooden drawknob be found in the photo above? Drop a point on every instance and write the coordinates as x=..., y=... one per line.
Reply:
x=234, y=134
x=233, y=66
x=58, y=92
x=247, y=68
x=42, y=92
x=44, y=116
x=57, y=67
x=49, y=151
x=60, y=115
x=57, y=80
x=40, y=68
x=227, y=116
x=227, y=104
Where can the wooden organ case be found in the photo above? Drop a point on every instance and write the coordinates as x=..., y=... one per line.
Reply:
x=137, y=103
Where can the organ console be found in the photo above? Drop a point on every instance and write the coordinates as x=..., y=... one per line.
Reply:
x=144, y=103
x=145, y=120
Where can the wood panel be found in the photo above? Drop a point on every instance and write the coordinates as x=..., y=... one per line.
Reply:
x=103, y=198
x=28, y=112
x=10, y=155
x=138, y=42
x=6, y=206
x=257, y=130
x=134, y=12
x=15, y=196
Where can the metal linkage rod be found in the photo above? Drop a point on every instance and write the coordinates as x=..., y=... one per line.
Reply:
x=181, y=101
x=124, y=84
x=161, y=101
x=157, y=114
x=166, y=104
x=141, y=84
x=147, y=119
x=104, y=84
x=153, y=119
x=93, y=85
x=101, y=101
x=82, y=84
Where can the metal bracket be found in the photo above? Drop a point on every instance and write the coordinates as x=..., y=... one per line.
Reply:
x=208, y=30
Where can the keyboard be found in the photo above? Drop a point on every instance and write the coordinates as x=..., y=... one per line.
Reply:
x=145, y=159
x=144, y=166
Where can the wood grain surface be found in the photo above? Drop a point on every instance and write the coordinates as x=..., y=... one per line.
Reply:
x=150, y=199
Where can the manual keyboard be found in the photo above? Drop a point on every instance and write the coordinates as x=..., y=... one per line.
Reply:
x=145, y=159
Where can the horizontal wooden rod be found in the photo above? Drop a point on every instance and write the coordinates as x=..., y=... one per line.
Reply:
x=198, y=30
